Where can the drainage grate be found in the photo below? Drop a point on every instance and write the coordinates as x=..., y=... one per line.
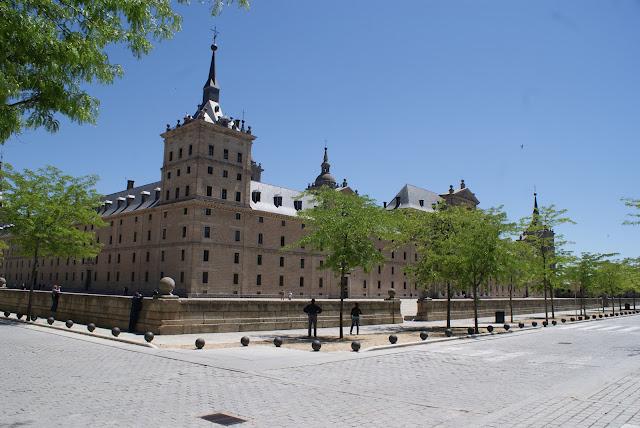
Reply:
x=223, y=419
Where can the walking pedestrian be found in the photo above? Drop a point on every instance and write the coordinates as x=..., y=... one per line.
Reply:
x=136, y=307
x=290, y=295
x=55, y=297
x=355, y=318
x=312, y=310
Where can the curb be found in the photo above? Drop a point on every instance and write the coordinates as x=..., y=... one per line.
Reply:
x=84, y=333
x=448, y=339
x=445, y=339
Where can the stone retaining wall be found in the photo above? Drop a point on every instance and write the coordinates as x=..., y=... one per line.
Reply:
x=436, y=309
x=177, y=316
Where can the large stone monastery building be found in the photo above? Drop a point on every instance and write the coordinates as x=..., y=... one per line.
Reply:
x=218, y=230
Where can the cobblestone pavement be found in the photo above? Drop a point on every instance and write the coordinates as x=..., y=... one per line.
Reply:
x=583, y=374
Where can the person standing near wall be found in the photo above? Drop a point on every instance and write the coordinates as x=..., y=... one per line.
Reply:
x=136, y=307
x=355, y=318
x=312, y=310
x=55, y=298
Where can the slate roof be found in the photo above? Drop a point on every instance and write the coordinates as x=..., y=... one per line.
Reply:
x=267, y=202
x=410, y=197
x=122, y=201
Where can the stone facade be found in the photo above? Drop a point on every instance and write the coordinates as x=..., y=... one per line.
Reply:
x=218, y=230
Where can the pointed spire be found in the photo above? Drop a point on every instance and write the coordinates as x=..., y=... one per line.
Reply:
x=326, y=157
x=211, y=90
x=536, y=212
x=325, y=178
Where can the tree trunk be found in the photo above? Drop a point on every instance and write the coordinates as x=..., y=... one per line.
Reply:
x=613, y=305
x=553, y=310
x=34, y=278
x=475, y=308
x=448, y=304
x=544, y=285
x=582, y=308
x=511, y=298
x=634, y=300
x=342, y=285
x=603, y=304
x=620, y=302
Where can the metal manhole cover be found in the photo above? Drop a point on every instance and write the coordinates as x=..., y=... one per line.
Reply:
x=223, y=419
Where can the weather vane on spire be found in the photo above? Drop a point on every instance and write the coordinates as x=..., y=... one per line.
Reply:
x=215, y=32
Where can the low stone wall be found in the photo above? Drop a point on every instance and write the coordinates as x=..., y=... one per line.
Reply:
x=436, y=309
x=177, y=316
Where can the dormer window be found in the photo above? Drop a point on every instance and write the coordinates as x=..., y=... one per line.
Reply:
x=255, y=196
x=297, y=205
x=277, y=201
x=421, y=201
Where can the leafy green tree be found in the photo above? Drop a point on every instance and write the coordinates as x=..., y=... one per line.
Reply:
x=549, y=245
x=631, y=269
x=345, y=227
x=610, y=279
x=517, y=266
x=50, y=50
x=584, y=273
x=458, y=245
x=44, y=211
x=634, y=216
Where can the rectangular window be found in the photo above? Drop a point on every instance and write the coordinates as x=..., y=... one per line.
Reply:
x=178, y=172
x=379, y=284
x=281, y=261
x=238, y=217
x=258, y=279
x=148, y=256
x=209, y=170
x=239, y=177
x=135, y=236
x=235, y=279
x=393, y=270
x=259, y=259
x=118, y=260
x=393, y=254
x=182, y=255
x=177, y=192
x=301, y=281
x=260, y=219
x=182, y=276
x=133, y=276
x=239, y=157
x=223, y=194
x=282, y=241
x=186, y=191
x=120, y=239
x=404, y=285
x=108, y=276
x=209, y=191
x=259, y=238
x=281, y=281
x=146, y=276
x=148, y=235
x=301, y=263
x=320, y=283
x=207, y=211
x=109, y=259
x=205, y=256
x=283, y=223
x=364, y=284
x=205, y=277
x=238, y=196
x=236, y=258
x=170, y=156
x=184, y=231
x=117, y=276
x=167, y=196
x=190, y=149
x=379, y=269
x=237, y=235
x=210, y=150
x=164, y=233
x=225, y=173
x=133, y=257
x=225, y=154
x=162, y=255
x=185, y=211
x=207, y=232
x=180, y=153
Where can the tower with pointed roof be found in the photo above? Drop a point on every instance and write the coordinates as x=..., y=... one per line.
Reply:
x=324, y=178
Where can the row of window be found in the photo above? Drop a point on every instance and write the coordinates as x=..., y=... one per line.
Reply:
x=225, y=153
x=225, y=173
x=277, y=200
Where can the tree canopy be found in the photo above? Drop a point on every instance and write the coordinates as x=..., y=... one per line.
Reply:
x=50, y=50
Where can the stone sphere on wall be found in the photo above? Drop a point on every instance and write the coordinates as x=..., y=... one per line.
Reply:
x=166, y=286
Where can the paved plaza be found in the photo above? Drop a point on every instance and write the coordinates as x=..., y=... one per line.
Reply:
x=582, y=374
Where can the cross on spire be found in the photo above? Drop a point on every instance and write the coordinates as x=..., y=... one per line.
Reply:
x=215, y=32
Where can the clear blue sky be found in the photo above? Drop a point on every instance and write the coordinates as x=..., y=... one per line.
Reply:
x=421, y=92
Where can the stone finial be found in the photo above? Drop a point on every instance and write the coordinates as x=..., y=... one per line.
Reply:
x=166, y=287
x=344, y=182
x=168, y=127
x=462, y=185
x=451, y=188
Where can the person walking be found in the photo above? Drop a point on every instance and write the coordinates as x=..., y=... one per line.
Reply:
x=355, y=319
x=136, y=307
x=312, y=310
x=55, y=297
